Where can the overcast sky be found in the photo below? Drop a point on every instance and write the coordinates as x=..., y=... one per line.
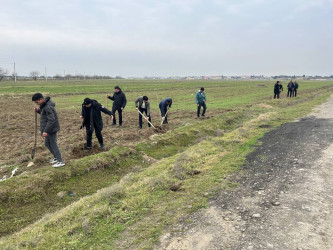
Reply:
x=167, y=37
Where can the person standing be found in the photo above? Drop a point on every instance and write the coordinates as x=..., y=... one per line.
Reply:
x=119, y=103
x=164, y=106
x=280, y=87
x=200, y=99
x=277, y=90
x=49, y=126
x=295, y=88
x=143, y=105
x=92, y=120
x=290, y=87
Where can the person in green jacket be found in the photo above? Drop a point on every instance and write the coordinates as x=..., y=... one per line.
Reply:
x=200, y=99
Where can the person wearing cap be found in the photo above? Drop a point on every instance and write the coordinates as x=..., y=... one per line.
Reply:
x=92, y=120
x=277, y=90
x=119, y=103
x=164, y=106
x=200, y=99
x=49, y=126
x=143, y=105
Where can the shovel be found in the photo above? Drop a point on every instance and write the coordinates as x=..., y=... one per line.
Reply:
x=107, y=107
x=164, y=116
x=34, y=149
x=146, y=119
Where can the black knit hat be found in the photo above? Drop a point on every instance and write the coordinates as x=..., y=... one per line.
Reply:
x=117, y=87
x=87, y=101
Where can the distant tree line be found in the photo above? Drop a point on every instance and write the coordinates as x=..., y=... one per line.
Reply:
x=36, y=75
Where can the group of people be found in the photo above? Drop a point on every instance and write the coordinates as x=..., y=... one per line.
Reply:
x=92, y=119
x=292, y=89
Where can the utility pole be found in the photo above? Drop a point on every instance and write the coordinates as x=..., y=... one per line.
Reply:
x=14, y=73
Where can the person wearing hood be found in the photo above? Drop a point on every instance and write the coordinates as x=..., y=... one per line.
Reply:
x=119, y=103
x=92, y=120
x=49, y=126
x=200, y=99
x=277, y=90
x=164, y=106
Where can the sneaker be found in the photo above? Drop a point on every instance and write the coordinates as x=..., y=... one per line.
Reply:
x=113, y=124
x=54, y=160
x=203, y=115
x=58, y=164
x=102, y=147
x=87, y=149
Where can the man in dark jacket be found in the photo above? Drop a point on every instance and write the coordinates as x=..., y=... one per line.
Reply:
x=92, y=120
x=164, y=104
x=143, y=105
x=290, y=87
x=295, y=88
x=119, y=103
x=277, y=90
x=49, y=126
x=280, y=87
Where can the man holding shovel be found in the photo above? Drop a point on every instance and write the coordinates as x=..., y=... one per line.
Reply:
x=92, y=120
x=164, y=106
x=49, y=126
x=142, y=104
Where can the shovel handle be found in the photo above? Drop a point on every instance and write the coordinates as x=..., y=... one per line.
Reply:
x=164, y=116
x=107, y=106
x=146, y=119
x=35, y=143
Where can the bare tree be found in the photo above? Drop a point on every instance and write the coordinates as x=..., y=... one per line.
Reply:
x=3, y=73
x=34, y=75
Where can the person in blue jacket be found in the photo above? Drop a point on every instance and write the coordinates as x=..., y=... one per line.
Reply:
x=165, y=104
x=200, y=99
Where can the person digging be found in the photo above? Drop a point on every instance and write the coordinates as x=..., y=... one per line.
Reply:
x=142, y=104
x=92, y=120
x=49, y=126
x=164, y=106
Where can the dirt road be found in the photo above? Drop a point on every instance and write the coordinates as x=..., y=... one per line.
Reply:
x=284, y=198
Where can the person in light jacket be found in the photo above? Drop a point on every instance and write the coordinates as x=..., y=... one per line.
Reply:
x=143, y=105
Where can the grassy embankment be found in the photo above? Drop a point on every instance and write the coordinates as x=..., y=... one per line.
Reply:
x=193, y=162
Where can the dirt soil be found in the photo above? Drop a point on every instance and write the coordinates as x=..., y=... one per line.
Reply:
x=284, y=198
x=17, y=133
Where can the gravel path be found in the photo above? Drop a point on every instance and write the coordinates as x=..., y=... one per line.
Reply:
x=284, y=200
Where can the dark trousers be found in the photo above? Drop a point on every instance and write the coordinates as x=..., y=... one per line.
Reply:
x=295, y=92
x=203, y=104
x=163, y=112
x=52, y=145
x=277, y=95
x=89, y=136
x=120, y=113
x=140, y=117
x=290, y=92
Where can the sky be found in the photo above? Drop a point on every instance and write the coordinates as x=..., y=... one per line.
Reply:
x=167, y=37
